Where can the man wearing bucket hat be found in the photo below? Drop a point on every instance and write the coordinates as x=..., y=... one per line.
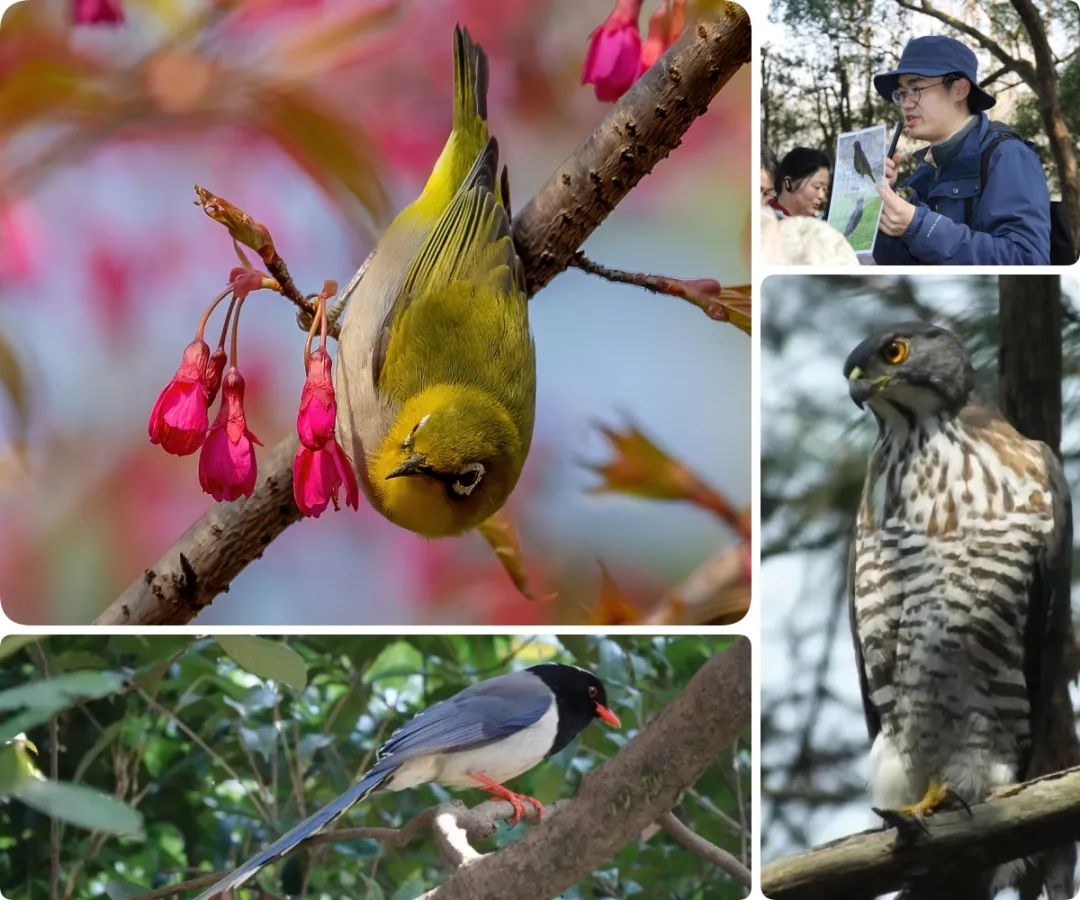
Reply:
x=961, y=212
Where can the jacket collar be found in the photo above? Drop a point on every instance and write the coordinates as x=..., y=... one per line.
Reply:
x=964, y=164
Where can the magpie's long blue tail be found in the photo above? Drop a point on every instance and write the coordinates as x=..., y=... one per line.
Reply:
x=312, y=824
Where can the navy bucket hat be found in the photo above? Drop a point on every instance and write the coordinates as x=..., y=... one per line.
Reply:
x=935, y=55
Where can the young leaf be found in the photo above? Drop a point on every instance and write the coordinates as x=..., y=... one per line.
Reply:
x=266, y=659
x=39, y=700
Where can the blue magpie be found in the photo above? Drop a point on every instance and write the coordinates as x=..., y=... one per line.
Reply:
x=482, y=736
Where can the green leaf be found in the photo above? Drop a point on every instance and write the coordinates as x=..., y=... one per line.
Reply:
x=15, y=642
x=270, y=660
x=80, y=805
x=41, y=699
x=75, y=661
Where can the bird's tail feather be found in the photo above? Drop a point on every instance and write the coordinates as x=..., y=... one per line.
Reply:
x=469, y=135
x=470, y=81
x=312, y=824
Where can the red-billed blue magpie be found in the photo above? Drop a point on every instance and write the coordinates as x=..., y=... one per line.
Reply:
x=482, y=736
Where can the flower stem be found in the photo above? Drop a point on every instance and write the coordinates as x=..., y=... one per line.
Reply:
x=235, y=330
x=225, y=324
x=209, y=310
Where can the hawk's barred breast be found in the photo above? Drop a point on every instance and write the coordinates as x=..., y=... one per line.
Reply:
x=954, y=512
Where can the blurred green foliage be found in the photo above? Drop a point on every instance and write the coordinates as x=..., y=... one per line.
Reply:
x=222, y=744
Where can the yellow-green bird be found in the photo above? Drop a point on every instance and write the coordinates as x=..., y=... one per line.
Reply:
x=436, y=372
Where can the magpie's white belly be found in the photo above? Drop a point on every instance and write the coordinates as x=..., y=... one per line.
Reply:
x=500, y=761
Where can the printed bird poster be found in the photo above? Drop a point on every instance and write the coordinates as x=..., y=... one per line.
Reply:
x=855, y=206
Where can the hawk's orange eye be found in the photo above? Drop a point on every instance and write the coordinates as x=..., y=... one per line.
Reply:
x=895, y=352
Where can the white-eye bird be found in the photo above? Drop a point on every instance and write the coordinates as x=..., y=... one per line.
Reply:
x=436, y=373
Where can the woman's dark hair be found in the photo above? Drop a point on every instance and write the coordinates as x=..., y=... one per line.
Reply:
x=799, y=164
x=769, y=162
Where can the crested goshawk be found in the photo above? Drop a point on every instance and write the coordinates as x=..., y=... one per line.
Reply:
x=959, y=589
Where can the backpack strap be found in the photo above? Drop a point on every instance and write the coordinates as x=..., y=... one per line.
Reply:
x=1002, y=132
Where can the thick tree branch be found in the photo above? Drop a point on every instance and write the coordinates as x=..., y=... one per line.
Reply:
x=1017, y=822
x=620, y=799
x=641, y=129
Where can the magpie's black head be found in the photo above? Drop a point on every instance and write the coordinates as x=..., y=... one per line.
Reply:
x=912, y=367
x=579, y=696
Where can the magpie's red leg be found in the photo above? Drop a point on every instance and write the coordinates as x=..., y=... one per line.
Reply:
x=517, y=801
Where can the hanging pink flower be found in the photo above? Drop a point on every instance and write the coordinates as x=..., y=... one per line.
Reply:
x=665, y=25
x=318, y=408
x=212, y=374
x=227, y=465
x=98, y=12
x=614, y=56
x=179, y=418
x=317, y=477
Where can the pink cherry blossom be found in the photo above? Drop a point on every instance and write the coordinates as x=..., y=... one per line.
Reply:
x=227, y=467
x=665, y=25
x=179, y=418
x=317, y=477
x=318, y=408
x=212, y=373
x=614, y=56
x=98, y=12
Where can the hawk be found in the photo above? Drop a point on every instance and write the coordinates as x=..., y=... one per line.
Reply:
x=959, y=595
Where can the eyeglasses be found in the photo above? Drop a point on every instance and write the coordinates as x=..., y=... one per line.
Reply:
x=913, y=93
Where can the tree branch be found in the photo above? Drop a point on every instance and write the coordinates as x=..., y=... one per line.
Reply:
x=1014, y=823
x=641, y=129
x=717, y=590
x=476, y=823
x=620, y=799
x=707, y=850
x=1021, y=66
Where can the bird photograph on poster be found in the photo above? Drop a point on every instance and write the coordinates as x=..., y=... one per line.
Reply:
x=438, y=322
x=919, y=464
x=855, y=207
x=412, y=766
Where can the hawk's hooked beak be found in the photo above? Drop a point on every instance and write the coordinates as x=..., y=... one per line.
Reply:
x=859, y=390
x=416, y=464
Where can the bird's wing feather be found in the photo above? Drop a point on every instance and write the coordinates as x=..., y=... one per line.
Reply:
x=312, y=824
x=1049, y=615
x=478, y=715
x=873, y=720
x=471, y=244
x=1047, y=637
x=471, y=237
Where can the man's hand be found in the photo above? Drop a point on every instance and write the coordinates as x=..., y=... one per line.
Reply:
x=891, y=166
x=896, y=212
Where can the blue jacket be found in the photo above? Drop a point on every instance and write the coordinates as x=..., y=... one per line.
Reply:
x=1010, y=222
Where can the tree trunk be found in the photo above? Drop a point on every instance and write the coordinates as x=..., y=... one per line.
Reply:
x=1029, y=355
x=1062, y=145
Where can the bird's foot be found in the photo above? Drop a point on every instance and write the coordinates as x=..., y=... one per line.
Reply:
x=516, y=800
x=910, y=820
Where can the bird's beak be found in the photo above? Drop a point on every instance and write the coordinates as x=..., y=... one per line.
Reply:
x=416, y=464
x=608, y=716
x=859, y=389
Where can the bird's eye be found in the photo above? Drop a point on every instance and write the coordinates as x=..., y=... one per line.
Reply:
x=895, y=352
x=467, y=479
x=593, y=691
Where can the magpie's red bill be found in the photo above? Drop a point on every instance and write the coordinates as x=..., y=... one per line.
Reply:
x=608, y=716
